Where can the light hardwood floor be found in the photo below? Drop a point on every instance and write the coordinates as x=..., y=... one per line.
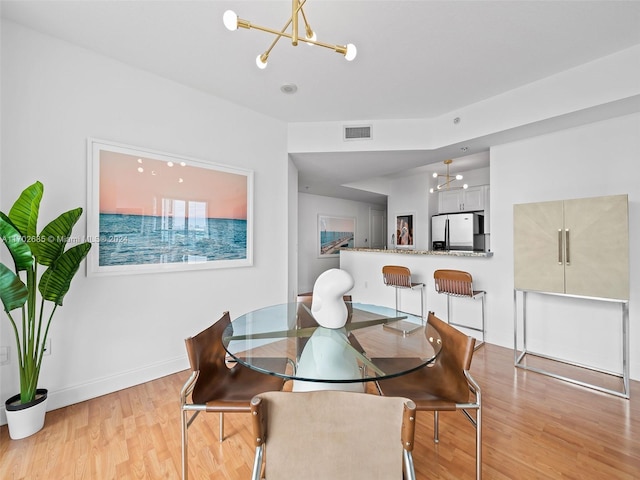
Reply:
x=535, y=427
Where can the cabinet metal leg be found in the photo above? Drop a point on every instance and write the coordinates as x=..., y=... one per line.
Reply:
x=520, y=357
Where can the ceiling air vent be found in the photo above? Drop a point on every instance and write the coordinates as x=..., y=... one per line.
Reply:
x=360, y=132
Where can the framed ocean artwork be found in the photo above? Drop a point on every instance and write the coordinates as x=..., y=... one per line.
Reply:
x=335, y=233
x=150, y=211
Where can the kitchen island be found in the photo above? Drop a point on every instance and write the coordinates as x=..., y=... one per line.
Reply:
x=365, y=266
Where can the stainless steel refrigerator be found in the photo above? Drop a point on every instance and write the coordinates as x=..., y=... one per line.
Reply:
x=458, y=231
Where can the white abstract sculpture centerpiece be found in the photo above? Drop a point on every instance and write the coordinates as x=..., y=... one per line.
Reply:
x=328, y=307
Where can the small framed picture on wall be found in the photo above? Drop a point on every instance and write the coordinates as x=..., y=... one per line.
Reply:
x=404, y=231
x=335, y=233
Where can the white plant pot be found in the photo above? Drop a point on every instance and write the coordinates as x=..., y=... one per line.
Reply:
x=24, y=420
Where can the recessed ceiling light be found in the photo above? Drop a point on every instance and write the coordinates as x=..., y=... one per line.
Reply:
x=289, y=88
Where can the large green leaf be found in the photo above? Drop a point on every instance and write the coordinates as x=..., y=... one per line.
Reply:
x=53, y=238
x=12, y=291
x=20, y=251
x=24, y=213
x=56, y=280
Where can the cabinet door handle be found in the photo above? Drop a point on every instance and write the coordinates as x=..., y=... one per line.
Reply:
x=559, y=246
x=567, y=248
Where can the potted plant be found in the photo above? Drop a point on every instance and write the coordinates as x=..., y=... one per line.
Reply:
x=30, y=298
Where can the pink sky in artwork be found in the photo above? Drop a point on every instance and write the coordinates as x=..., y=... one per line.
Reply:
x=124, y=189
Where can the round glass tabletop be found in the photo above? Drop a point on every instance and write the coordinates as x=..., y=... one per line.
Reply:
x=365, y=349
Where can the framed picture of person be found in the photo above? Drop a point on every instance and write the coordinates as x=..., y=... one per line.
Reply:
x=404, y=235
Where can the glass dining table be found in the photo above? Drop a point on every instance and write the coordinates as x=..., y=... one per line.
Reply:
x=334, y=358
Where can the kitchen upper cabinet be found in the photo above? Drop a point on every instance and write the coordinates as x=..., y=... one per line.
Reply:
x=468, y=200
x=577, y=247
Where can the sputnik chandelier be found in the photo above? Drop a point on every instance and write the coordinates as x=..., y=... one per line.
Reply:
x=232, y=22
x=448, y=180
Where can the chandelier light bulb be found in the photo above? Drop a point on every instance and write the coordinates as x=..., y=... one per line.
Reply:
x=465, y=186
x=311, y=35
x=262, y=64
x=352, y=51
x=458, y=177
x=230, y=20
x=431, y=190
x=435, y=175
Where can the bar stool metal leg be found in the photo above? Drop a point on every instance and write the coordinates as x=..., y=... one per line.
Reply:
x=456, y=283
x=400, y=277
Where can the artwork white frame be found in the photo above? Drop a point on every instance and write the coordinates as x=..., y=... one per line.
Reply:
x=151, y=211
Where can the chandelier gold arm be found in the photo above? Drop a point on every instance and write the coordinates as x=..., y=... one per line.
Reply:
x=282, y=33
x=348, y=51
x=342, y=49
x=294, y=17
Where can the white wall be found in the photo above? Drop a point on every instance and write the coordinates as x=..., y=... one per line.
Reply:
x=309, y=207
x=292, y=273
x=117, y=331
x=410, y=196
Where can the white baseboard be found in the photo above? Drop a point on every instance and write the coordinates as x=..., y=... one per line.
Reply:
x=102, y=386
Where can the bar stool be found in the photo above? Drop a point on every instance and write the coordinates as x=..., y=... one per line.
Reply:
x=400, y=278
x=456, y=283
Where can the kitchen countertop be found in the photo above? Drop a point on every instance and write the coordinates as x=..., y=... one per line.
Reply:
x=407, y=251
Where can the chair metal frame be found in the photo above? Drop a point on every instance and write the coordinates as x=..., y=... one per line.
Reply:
x=261, y=409
x=458, y=283
x=399, y=277
x=443, y=396
x=223, y=401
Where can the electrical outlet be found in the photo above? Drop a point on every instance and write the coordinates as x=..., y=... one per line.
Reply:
x=4, y=356
x=47, y=347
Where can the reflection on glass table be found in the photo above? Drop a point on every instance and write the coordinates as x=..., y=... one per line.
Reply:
x=333, y=357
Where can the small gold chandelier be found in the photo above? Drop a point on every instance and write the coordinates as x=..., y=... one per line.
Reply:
x=448, y=179
x=232, y=22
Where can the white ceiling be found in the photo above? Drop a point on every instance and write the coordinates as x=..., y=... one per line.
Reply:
x=416, y=59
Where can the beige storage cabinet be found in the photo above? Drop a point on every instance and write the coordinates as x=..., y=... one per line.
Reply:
x=575, y=247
